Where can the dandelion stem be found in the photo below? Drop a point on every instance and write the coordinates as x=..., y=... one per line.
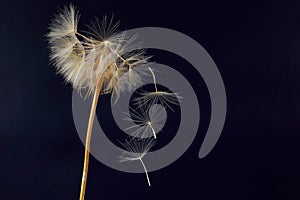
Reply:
x=154, y=79
x=145, y=172
x=88, y=139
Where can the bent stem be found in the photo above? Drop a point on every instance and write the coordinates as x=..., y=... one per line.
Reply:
x=145, y=171
x=88, y=139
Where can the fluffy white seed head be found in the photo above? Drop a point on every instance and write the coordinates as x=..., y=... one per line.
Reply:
x=102, y=54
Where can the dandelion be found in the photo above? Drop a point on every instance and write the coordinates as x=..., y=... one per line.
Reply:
x=149, y=121
x=136, y=150
x=94, y=62
x=99, y=59
x=163, y=97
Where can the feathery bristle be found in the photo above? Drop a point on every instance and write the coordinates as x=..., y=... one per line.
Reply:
x=166, y=99
x=136, y=149
x=63, y=23
x=66, y=51
x=148, y=122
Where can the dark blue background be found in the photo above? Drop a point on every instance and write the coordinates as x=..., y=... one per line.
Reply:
x=256, y=46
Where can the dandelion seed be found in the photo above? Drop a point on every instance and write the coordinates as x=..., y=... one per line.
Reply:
x=94, y=62
x=127, y=75
x=162, y=97
x=149, y=121
x=131, y=78
x=136, y=150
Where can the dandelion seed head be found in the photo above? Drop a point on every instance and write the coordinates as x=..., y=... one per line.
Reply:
x=101, y=54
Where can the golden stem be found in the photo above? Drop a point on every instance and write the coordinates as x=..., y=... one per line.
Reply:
x=88, y=139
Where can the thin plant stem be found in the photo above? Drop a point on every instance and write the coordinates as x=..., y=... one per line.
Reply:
x=88, y=139
x=83, y=36
x=154, y=79
x=153, y=131
x=145, y=172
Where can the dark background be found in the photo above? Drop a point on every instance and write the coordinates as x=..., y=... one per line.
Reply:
x=256, y=46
